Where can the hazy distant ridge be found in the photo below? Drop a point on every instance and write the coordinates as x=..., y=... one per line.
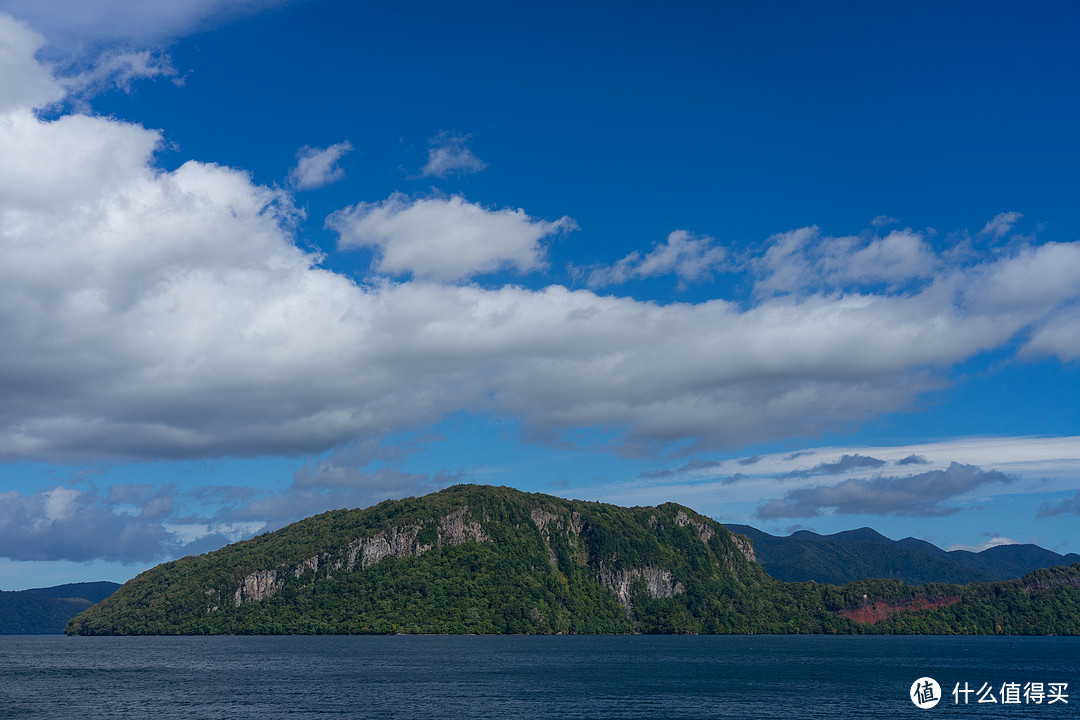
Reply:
x=864, y=553
x=43, y=611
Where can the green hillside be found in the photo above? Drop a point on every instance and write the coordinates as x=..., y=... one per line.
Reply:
x=477, y=559
x=47, y=610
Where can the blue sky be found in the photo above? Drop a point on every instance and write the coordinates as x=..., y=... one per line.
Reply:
x=794, y=266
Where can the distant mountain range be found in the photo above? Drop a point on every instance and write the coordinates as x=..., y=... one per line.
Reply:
x=864, y=553
x=44, y=611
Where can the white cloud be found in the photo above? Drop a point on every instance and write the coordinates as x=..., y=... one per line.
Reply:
x=1032, y=279
x=1000, y=226
x=318, y=167
x=802, y=260
x=25, y=83
x=169, y=314
x=687, y=256
x=448, y=154
x=1059, y=335
x=900, y=256
x=445, y=239
x=784, y=267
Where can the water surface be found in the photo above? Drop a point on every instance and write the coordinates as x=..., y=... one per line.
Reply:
x=520, y=677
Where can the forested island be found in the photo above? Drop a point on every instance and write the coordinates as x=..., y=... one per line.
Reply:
x=481, y=559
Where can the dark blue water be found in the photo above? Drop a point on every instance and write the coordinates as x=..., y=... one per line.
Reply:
x=520, y=677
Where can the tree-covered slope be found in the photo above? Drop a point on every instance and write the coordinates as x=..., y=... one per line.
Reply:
x=47, y=610
x=476, y=559
x=470, y=559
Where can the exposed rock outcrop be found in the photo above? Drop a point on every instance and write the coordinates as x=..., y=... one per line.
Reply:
x=705, y=532
x=459, y=527
x=659, y=583
x=258, y=585
x=1043, y=585
x=397, y=542
x=454, y=529
x=746, y=547
x=542, y=519
x=309, y=565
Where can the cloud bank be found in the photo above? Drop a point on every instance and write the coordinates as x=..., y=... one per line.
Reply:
x=924, y=495
x=170, y=314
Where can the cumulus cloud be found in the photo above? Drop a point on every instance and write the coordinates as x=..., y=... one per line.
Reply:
x=318, y=167
x=64, y=523
x=1000, y=226
x=804, y=260
x=687, y=256
x=1058, y=335
x=924, y=495
x=449, y=154
x=445, y=239
x=25, y=82
x=170, y=314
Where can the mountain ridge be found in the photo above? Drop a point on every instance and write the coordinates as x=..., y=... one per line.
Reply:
x=46, y=611
x=481, y=559
x=864, y=553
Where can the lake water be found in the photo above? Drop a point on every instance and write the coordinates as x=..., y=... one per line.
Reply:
x=591, y=677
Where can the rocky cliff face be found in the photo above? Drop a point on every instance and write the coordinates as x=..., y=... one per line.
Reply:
x=458, y=527
x=454, y=529
x=257, y=586
x=468, y=559
x=746, y=547
x=659, y=583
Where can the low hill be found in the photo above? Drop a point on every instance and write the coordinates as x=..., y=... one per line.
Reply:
x=864, y=553
x=478, y=559
x=43, y=611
